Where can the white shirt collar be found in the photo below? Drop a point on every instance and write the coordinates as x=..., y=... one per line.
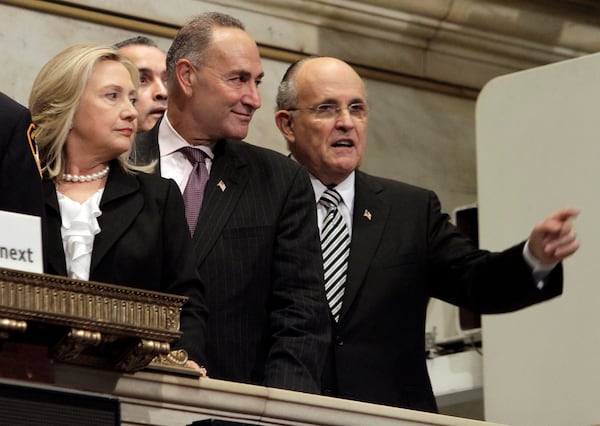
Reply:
x=344, y=188
x=171, y=140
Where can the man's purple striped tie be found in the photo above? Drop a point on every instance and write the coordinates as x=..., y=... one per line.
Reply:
x=194, y=189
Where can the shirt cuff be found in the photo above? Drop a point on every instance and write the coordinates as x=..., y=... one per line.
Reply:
x=539, y=270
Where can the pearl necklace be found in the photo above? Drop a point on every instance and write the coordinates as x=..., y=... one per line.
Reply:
x=86, y=178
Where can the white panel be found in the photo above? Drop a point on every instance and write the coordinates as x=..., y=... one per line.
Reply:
x=21, y=242
x=538, y=148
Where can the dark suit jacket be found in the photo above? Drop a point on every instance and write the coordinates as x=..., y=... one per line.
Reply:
x=144, y=242
x=404, y=254
x=20, y=187
x=257, y=248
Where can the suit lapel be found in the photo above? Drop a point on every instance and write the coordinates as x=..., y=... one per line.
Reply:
x=55, y=254
x=228, y=178
x=120, y=205
x=369, y=219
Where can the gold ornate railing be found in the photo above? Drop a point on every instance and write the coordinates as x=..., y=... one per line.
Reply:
x=86, y=322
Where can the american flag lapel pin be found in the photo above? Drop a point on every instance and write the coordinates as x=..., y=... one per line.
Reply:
x=222, y=186
x=367, y=214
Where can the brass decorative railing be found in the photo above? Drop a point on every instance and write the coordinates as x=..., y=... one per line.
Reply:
x=89, y=323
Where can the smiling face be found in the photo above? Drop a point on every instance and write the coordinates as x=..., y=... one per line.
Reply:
x=151, y=63
x=330, y=148
x=105, y=120
x=225, y=86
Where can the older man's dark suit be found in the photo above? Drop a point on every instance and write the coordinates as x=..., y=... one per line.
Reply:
x=403, y=252
x=20, y=181
x=143, y=243
x=257, y=248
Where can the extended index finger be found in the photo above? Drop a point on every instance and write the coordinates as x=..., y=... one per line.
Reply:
x=565, y=214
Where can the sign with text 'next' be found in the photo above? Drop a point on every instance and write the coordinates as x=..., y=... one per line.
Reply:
x=21, y=242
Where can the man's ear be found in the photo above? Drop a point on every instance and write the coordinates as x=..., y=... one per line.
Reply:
x=184, y=74
x=285, y=124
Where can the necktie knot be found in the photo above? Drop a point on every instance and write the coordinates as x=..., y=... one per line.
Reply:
x=335, y=246
x=330, y=199
x=194, y=155
x=193, y=193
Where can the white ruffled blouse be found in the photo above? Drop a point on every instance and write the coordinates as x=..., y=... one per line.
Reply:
x=79, y=226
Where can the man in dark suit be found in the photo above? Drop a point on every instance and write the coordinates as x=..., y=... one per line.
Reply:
x=20, y=178
x=402, y=249
x=256, y=239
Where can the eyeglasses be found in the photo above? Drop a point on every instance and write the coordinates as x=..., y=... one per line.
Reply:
x=358, y=111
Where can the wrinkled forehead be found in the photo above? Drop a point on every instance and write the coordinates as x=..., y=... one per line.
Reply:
x=112, y=72
x=324, y=80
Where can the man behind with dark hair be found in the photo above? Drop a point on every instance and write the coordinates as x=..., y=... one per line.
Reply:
x=151, y=64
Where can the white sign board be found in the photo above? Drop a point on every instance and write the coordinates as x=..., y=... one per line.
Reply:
x=538, y=150
x=21, y=242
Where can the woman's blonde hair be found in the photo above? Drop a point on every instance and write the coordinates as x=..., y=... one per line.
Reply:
x=55, y=97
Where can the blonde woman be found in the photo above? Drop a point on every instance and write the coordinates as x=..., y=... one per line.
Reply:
x=108, y=221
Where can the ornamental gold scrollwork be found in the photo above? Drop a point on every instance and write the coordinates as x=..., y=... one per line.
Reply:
x=177, y=358
x=70, y=347
x=138, y=356
x=130, y=326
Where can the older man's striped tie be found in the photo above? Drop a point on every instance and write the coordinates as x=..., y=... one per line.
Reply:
x=335, y=245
